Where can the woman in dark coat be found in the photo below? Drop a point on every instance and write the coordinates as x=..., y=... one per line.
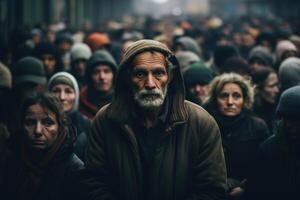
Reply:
x=266, y=93
x=64, y=86
x=43, y=165
x=229, y=102
x=278, y=163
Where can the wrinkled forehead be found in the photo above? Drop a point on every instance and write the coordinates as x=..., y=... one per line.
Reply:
x=149, y=58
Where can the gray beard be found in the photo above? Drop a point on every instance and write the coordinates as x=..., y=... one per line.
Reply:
x=150, y=99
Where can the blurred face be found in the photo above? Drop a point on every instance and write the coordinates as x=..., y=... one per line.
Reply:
x=149, y=79
x=270, y=90
x=199, y=91
x=102, y=78
x=49, y=64
x=79, y=67
x=256, y=64
x=41, y=127
x=66, y=95
x=293, y=128
x=64, y=47
x=230, y=100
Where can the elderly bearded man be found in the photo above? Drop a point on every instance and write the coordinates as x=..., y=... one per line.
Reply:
x=149, y=143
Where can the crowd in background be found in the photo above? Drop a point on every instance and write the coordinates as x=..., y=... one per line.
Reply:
x=246, y=63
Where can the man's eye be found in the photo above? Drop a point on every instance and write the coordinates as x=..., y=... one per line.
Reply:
x=139, y=74
x=159, y=73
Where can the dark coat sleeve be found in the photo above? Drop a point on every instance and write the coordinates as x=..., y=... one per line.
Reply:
x=95, y=178
x=209, y=176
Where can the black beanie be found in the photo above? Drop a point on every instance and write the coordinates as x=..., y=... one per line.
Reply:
x=289, y=103
x=29, y=69
x=223, y=53
x=198, y=73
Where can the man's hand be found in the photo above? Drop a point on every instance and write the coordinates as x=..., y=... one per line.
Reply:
x=236, y=192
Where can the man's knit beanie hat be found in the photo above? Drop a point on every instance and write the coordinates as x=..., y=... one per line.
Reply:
x=142, y=46
x=5, y=77
x=198, y=73
x=97, y=41
x=223, y=53
x=289, y=103
x=80, y=51
x=261, y=53
x=289, y=73
x=29, y=69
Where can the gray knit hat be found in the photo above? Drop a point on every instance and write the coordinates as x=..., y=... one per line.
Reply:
x=29, y=69
x=289, y=103
x=80, y=51
x=5, y=77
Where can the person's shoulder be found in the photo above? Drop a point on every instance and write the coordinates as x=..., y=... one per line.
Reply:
x=75, y=163
x=196, y=111
x=102, y=113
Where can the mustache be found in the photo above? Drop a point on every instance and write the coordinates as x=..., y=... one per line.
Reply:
x=154, y=92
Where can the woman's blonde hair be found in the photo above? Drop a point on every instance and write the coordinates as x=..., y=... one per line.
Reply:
x=218, y=83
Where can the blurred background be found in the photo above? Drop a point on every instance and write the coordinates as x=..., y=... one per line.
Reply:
x=84, y=13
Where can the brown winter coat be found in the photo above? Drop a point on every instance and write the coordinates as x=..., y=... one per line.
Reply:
x=188, y=160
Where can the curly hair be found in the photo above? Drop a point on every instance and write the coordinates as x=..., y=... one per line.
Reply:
x=218, y=83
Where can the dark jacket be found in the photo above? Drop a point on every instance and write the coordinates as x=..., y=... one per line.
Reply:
x=58, y=179
x=82, y=125
x=277, y=169
x=241, y=137
x=188, y=160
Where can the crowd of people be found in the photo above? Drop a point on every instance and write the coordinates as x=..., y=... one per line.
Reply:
x=171, y=108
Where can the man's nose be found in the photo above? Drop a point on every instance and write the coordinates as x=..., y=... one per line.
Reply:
x=150, y=82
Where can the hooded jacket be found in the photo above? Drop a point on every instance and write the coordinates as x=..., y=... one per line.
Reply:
x=80, y=122
x=92, y=100
x=188, y=161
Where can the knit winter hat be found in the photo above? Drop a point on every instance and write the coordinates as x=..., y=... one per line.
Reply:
x=198, y=73
x=261, y=53
x=97, y=40
x=289, y=103
x=142, y=46
x=289, y=73
x=185, y=58
x=224, y=52
x=45, y=48
x=5, y=77
x=80, y=51
x=67, y=79
x=189, y=44
x=29, y=69
x=237, y=65
x=283, y=46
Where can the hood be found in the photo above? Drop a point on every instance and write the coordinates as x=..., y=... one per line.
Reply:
x=100, y=57
x=122, y=103
x=262, y=54
x=71, y=78
x=189, y=44
x=289, y=73
x=283, y=46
